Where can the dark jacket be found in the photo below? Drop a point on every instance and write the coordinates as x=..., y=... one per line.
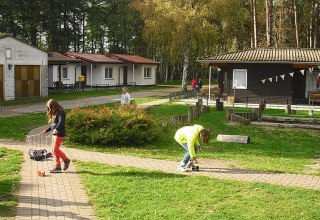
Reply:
x=59, y=124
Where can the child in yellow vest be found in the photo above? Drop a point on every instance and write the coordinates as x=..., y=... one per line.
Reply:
x=188, y=138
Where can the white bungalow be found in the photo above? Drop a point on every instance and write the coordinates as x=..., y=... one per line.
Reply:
x=116, y=69
x=62, y=69
x=23, y=70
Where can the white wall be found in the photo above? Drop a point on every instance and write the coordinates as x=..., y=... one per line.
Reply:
x=139, y=75
x=74, y=70
x=98, y=74
x=21, y=54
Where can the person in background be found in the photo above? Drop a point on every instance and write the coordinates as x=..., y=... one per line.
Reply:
x=57, y=116
x=125, y=97
x=200, y=84
x=193, y=85
x=188, y=137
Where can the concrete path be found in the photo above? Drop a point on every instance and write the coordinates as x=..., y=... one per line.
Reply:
x=81, y=102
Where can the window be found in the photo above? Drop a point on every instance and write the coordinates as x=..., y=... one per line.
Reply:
x=8, y=53
x=108, y=73
x=239, y=79
x=65, y=72
x=147, y=73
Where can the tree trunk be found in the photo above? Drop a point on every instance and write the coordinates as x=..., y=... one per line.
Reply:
x=254, y=18
x=296, y=22
x=269, y=20
x=185, y=70
x=315, y=32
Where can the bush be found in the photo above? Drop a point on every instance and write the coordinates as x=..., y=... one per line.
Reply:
x=111, y=126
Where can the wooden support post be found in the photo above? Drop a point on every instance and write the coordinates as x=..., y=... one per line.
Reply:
x=233, y=139
x=175, y=120
x=165, y=126
x=229, y=111
x=190, y=114
x=288, y=109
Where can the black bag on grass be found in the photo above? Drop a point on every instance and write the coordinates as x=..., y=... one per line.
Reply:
x=39, y=154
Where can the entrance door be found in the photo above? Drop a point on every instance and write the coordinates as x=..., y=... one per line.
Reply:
x=27, y=81
x=1, y=83
x=125, y=75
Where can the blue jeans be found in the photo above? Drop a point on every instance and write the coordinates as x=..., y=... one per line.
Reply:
x=187, y=157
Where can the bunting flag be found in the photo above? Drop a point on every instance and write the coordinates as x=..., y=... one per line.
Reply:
x=291, y=74
x=276, y=78
x=270, y=79
x=263, y=81
x=282, y=76
x=302, y=72
x=310, y=69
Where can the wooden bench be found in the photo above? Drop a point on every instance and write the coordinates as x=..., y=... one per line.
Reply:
x=314, y=97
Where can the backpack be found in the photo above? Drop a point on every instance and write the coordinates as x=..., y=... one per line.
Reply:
x=39, y=154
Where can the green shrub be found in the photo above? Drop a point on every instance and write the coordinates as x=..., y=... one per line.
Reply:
x=127, y=125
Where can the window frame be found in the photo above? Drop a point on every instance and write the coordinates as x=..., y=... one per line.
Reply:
x=148, y=75
x=234, y=76
x=67, y=74
x=107, y=72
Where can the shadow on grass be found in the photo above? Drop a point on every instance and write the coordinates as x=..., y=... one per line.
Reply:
x=137, y=174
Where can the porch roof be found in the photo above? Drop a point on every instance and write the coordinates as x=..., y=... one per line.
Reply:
x=267, y=55
x=58, y=58
x=134, y=59
x=93, y=58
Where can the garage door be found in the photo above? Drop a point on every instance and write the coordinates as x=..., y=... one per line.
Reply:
x=27, y=81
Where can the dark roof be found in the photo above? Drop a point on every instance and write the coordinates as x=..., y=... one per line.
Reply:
x=58, y=58
x=93, y=58
x=267, y=55
x=134, y=59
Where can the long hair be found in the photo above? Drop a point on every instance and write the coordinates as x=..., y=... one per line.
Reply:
x=52, y=108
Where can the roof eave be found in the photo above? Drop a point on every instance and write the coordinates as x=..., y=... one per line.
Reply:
x=273, y=62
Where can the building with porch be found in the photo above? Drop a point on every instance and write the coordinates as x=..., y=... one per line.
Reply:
x=23, y=70
x=116, y=69
x=276, y=75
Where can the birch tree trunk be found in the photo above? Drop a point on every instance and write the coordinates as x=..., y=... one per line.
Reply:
x=254, y=16
x=296, y=22
x=316, y=19
x=185, y=70
x=269, y=20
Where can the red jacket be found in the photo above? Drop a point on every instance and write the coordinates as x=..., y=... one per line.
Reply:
x=193, y=83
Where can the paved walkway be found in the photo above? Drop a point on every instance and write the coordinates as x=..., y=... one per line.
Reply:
x=81, y=102
x=62, y=196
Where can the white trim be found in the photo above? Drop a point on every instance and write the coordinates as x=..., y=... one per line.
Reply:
x=235, y=84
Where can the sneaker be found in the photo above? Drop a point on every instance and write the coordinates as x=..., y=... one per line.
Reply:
x=66, y=164
x=182, y=169
x=56, y=170
x=190, y=164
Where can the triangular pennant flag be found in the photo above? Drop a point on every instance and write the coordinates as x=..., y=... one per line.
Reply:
x=310, y=69
x=282, y=76
x=263, y=81
x=270, y=79
x=276, y=78
x=302, y=72
x=291, y=74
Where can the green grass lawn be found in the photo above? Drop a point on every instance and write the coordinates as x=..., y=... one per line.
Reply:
x=10, y=165
x=130, y=193
x=271, y=149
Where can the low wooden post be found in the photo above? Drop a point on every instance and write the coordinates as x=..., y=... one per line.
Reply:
x=164, y=126
x=229, y=111
x=288, y=109
x=175, y=120
x=190, y=114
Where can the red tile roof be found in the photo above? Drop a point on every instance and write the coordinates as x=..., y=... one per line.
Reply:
x=267, y=55
x=93, y=58
x=58, y=58
x=134, y=59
